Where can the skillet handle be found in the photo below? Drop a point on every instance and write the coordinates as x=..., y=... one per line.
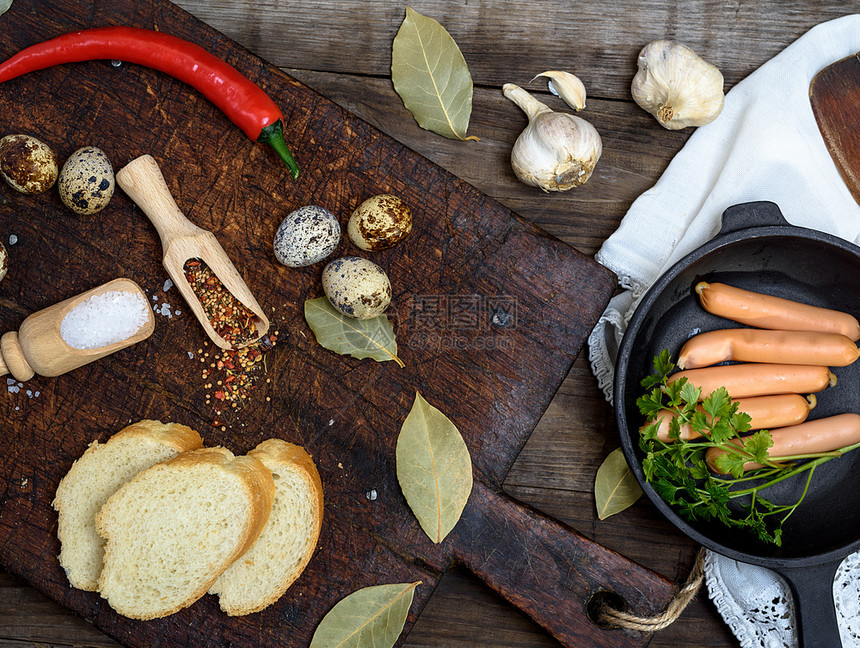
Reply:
x=550, y=572
x=742, y=216
x=815, y=611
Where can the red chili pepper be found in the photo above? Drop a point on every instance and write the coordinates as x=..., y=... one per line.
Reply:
x=247, y=105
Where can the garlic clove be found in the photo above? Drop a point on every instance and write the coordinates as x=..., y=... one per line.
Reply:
x=567, y=86
x=556, y=151
x=677, y=86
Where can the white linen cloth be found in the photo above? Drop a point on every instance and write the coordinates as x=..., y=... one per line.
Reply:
x=765, y=145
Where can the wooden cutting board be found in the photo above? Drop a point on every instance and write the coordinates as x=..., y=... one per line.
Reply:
x=490, y=313
x=835, y=97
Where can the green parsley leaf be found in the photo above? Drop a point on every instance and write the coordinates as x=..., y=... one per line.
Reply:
x=731, y=463
x=690, y=393
x=757, y=445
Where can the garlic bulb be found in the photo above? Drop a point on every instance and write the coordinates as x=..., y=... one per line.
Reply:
x=556, y=151
x=677, y=86
x=567, y=86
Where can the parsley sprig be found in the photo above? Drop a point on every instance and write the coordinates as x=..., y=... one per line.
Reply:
x=678, y=470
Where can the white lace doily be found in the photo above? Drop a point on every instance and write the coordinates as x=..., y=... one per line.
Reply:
x=757, y=603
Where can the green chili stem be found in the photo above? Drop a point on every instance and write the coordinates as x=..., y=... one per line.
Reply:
x=273, y=135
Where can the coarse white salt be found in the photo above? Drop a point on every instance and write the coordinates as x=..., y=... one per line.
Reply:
x=13, y=239
x=168, y=285
x=104, y=319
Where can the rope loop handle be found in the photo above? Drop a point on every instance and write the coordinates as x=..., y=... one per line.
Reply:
x=612, y=617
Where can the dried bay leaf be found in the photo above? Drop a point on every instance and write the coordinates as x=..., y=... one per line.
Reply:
x=373, y=338
x=370, y=617
x=5, y=5
x=434, y=468
x=615, y=486
x=431, y=76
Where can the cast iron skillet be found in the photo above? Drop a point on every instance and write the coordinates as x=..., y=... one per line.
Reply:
x=758, y=250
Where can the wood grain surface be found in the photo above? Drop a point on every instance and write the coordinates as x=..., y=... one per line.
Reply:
x=835, y=95
x=342, y=50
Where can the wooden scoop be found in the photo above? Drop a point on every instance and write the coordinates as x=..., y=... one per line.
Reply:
x=39, y=347
x=835, y=97
x=142, y=180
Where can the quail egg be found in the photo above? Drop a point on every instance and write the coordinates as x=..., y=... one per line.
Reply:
x=27, y=164
x=379, y=222
x=4, y=261
x=86, y=181
x=357, y=287
x=306, y=236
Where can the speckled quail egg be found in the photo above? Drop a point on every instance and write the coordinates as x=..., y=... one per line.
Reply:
x=380, y=222
x=306, y=236
x=86, y=181
x=4, y=261
x=27, y=164
x=357, y=287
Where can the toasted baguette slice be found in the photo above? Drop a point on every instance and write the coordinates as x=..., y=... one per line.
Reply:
x=262, y=575
x=174, y=528
x=95, y=476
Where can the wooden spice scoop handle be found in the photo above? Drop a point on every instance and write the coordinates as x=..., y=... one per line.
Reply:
x=144, y=183
x=551, y=573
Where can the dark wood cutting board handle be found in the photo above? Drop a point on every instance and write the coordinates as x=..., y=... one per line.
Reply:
x=550, y=572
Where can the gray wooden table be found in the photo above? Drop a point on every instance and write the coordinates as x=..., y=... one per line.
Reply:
x=342, y=48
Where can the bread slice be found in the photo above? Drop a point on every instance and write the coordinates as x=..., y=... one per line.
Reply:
x=174, y=528
x=262, y=575
x=95, y=476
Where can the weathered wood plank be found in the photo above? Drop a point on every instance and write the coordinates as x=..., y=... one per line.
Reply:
x=506, y=40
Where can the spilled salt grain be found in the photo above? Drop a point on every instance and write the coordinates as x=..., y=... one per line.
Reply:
x=13, y=239
x=104, y=319
x=168, y=285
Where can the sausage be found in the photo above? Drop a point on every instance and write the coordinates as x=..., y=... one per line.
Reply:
x=759, y=345
x=766, y=311
x=821, y=435
x=759, y=379
x=765, y=412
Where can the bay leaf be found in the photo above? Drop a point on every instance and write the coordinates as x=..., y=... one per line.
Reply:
x=372, y=338
x=431, y=76
x=434, y=468
x=615, y=486
x=370, y=617
x=5, y=5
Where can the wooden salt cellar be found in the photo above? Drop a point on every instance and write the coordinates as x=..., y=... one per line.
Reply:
x=39, y=348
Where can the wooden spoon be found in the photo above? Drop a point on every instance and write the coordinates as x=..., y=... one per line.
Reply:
x=835, y=97
x=144, y=183
x=39, y=347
